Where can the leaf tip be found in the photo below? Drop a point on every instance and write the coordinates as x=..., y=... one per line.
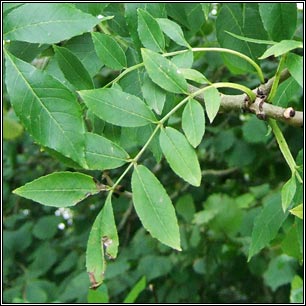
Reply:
x=16, y=191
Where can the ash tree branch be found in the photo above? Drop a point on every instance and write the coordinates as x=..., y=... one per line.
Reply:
x=237, y=102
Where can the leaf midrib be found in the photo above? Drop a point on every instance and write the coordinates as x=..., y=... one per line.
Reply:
x=105, y=155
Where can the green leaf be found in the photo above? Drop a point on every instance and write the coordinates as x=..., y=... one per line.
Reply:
x=130, y=14
x=117, y=107
x=252, y=40
x=294, y=64
x=194, y=14
x=206, y=8
x=282, y=47
x=173, y=30
x=144, y=134
x=193, y=122
x=212, y=102
x=109, y=51
x=92, y=8
x=290, y=244
x=67, y=263
x=136, y=290
x=185, y=207
x=83, y=47
x=24, y=50
x=47, y=23
x=194, y=75
x=279, y=19
x=73, y=69
x=59, y=189
x=149, y=32
x=7, y=7
x=180, y=155
x=297, y=211
x=183, y=60
x=46, y=227
x=103, y=240
x=154, y=207
x=11, y=128
x=100, y=295
x=281, y=271
x=288, y=192
x=102, y=153
x=163, y=72
x=188, y=14
x=162, y=266
x=255, y=131
x=267, y=224
x=132, y=82
x=285, y=92
x=53, y=117
x=244, y=20
x=297, y=289
x=154, y=95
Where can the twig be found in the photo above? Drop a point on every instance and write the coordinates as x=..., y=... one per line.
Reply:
x=237, y=102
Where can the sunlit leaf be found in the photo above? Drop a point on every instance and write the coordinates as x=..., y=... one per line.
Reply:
x=297, y=211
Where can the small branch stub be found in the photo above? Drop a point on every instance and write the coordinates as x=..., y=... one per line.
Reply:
x=289, y=113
